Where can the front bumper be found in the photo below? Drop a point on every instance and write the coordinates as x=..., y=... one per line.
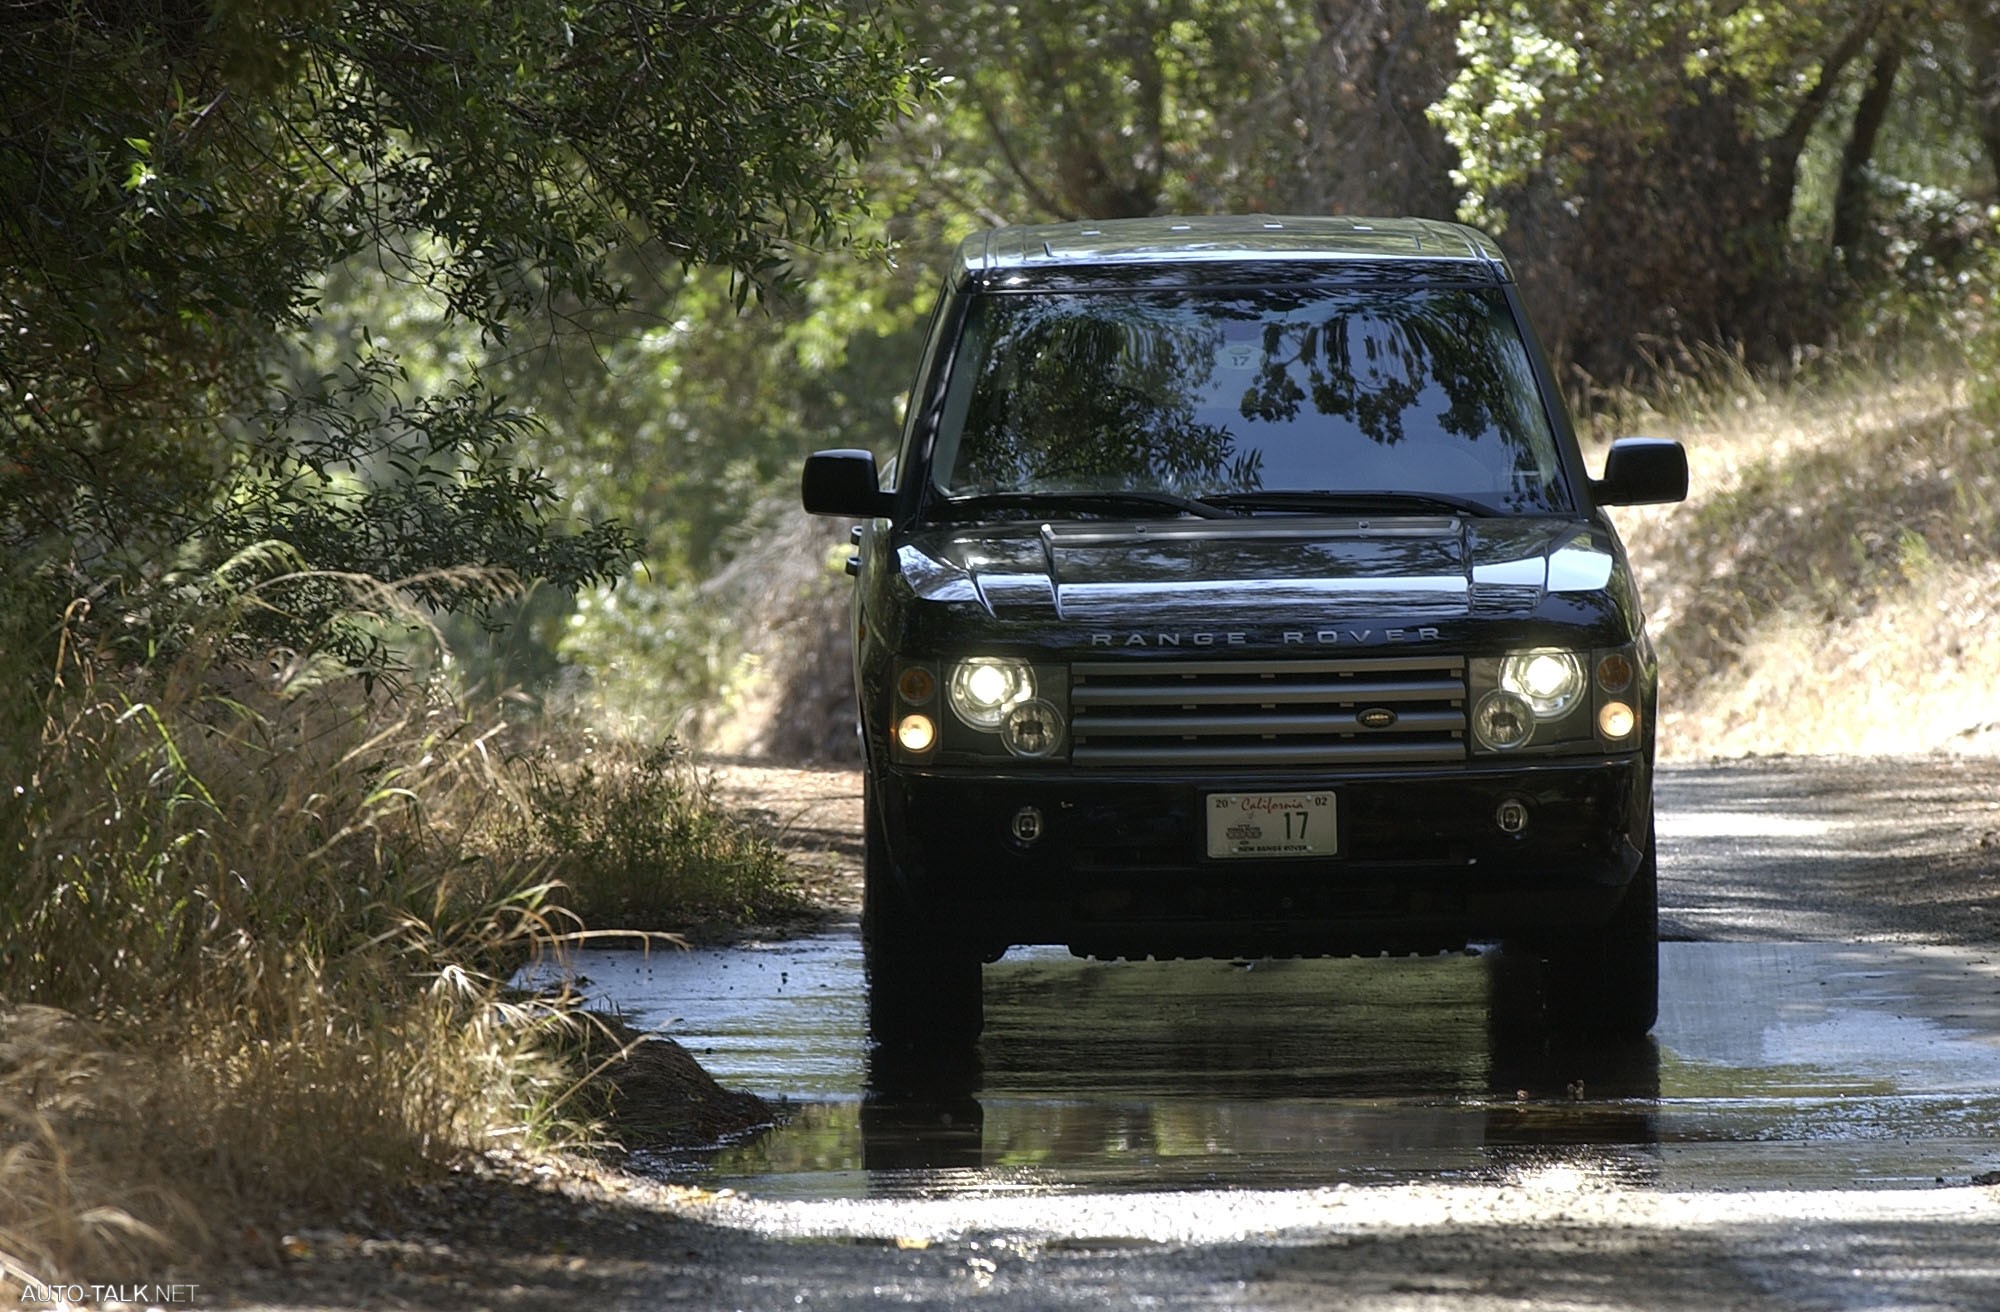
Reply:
x=1118, y=866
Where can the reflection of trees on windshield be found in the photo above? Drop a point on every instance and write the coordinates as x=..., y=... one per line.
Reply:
x=1096, y=395
x=1295, y=387
x=1373, y=363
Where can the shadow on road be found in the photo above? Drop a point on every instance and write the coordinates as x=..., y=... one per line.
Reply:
x=1831, y=850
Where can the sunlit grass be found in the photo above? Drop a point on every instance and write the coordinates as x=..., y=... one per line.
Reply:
x=1827, y=586
x=251, y=966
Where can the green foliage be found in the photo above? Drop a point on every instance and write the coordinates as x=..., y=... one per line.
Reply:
x=1650, y=159
x=638, y=843
x=1497, y=111
x=1537, y=78
x=169, y=211
x=1052, y=110
x=672, y=415
x=1135, y=107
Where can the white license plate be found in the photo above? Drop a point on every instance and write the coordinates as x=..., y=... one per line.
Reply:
x=1271, y=825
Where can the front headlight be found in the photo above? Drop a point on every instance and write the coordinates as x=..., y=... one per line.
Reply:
x=1557, y=699
x=984, y=688
x=1549, y=681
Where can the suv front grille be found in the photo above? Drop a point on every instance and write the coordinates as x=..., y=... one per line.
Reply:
x=1275, y=713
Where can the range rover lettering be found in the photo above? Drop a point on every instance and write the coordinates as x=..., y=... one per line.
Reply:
x=1239, y=589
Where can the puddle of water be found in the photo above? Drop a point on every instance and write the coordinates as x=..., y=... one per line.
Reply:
x=1773, y=1065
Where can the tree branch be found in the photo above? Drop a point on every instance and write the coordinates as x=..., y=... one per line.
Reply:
x=1790, y=144
x=1014, y=165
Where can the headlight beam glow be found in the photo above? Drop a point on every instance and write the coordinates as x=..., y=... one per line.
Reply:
x=983, y=689
x=1549, y=681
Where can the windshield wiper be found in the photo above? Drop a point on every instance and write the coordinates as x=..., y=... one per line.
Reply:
x=1329, y=500
x=1154, y=501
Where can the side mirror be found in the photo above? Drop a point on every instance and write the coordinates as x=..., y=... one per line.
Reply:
x=844, y=483
x=1642, y=471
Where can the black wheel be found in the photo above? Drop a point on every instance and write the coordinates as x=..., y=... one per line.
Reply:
x=923, y=987
x=1609, y=985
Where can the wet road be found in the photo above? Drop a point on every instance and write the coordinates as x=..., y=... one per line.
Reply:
x=1778, y=1061
x=1773, y=1065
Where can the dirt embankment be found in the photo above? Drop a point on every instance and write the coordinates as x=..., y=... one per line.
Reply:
x=815, y=811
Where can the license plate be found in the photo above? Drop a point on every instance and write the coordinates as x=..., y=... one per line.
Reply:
x=1271, y=825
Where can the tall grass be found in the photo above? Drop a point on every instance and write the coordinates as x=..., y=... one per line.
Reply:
x=253, y=942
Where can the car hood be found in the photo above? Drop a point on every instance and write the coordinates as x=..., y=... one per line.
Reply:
x=1267, y=571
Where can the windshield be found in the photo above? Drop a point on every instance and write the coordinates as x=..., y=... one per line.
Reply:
x=1213, y=392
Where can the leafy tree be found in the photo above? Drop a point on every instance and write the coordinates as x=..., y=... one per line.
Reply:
x=177, y=176
x=1649, y=158
x=696, y=447
x=1135, y=107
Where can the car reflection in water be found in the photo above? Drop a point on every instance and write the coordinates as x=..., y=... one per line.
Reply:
x=1775, y=1065
x=1144, y=1075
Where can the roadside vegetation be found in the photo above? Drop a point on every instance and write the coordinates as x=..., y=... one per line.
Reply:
x=401, y=400
x=271, y=846
x=257, y=938
x=1830, y=584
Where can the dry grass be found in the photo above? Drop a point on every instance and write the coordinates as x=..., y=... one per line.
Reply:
x=251, y=969
x=253, y=948
x=1827, y=586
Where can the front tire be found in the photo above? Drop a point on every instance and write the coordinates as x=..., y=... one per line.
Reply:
x=1608, y=985
x=923, y=987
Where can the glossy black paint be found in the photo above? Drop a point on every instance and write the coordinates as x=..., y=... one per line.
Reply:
x=1119, y=866
x=843, y=483
x=1641, y=471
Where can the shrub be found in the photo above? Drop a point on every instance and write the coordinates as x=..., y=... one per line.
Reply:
x=638, y=842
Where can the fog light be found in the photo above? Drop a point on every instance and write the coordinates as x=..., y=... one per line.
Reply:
x=916, y=733
x=1616, y=720
x=1502, y=721
x=1027, y=825
x=1511, y=815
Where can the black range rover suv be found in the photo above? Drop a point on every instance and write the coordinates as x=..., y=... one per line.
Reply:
x=1240, y=590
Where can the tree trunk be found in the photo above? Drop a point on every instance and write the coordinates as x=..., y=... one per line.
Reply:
x=1362, y=97
x=1982, y=23
x=1850, y=202
x=1791, y=143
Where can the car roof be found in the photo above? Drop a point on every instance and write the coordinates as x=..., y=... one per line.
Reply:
x=1252, y=239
